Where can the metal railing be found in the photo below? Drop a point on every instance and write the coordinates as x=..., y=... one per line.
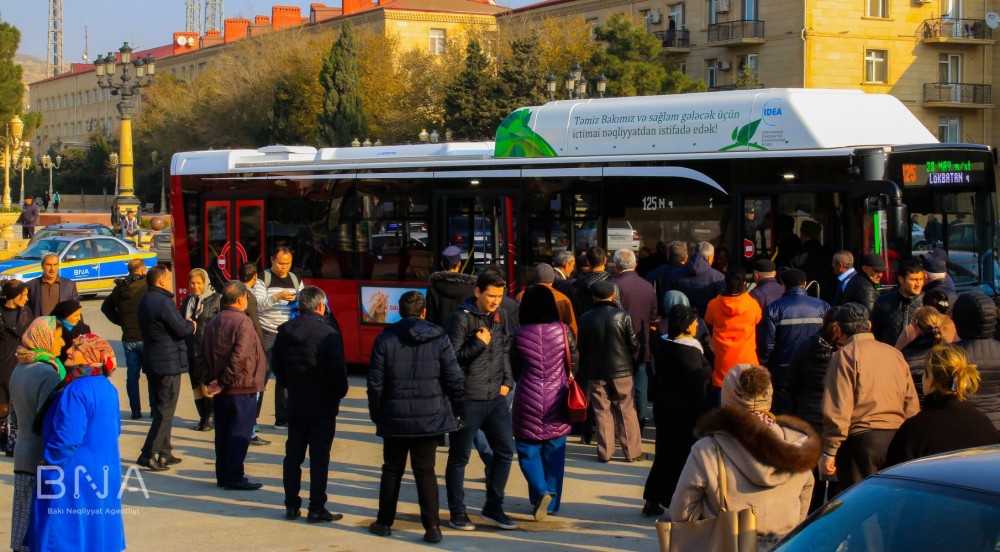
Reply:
x=675, y=38
x=953, y=92
x=735, y=30
x=956, y=28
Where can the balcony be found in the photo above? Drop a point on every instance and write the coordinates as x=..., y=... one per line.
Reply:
x=948, y=94
x=956, y=31
x=736, y=33
x=675, y=41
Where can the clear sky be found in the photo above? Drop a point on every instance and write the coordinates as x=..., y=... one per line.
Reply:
x=143, y=23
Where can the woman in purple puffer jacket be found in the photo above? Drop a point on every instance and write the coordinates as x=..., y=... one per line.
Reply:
x=540, y=415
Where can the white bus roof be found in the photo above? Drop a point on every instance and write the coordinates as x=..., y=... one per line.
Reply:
x=743, y=122
x=740, y=120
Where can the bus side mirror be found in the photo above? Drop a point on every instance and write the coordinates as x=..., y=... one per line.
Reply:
x=898, y=222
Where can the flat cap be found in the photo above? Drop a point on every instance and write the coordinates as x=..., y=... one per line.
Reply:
x=764, y=265
x=873, y=260
x=602, y=289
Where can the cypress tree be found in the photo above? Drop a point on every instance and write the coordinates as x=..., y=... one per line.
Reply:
x=342, y=118
x=471, y=108
x=11, y=89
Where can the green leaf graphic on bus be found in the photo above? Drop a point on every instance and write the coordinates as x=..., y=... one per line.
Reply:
x=516, y=139
x=742, y=136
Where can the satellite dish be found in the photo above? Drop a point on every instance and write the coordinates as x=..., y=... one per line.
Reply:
x=992, y=20
x=182, y=41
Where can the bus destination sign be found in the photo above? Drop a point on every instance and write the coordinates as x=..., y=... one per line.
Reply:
x=942, y=173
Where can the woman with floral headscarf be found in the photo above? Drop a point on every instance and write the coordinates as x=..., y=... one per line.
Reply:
x=36, y=376
x=81, y=433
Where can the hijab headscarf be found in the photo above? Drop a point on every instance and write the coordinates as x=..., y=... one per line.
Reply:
x=98, y=355
x=197, y=302
x=38, y=344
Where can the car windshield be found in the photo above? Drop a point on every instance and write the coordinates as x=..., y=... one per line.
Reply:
x=896, y=515
x=40, y=248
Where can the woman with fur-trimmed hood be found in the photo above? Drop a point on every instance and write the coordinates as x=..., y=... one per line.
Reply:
x=768, y=460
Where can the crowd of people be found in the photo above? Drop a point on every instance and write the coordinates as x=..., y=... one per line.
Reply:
x=792, y=398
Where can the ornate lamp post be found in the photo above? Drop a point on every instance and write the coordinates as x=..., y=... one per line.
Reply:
x=11, y=141
x=25, y=163
x=163, y=187
x=48, y=164
x=135, y=75
x=577, y=85
x=113, y=165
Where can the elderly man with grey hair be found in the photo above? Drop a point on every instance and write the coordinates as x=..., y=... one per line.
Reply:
x=698, y=280
x=308, y=359
x=564, y=263
x=868, y=394
x=49, y=289
x=639, y=299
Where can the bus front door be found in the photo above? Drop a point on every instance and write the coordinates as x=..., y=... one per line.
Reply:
x=483, y=227
x=234, y=235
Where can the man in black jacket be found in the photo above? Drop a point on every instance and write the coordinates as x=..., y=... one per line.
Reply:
x=583, y=297
x=414, y=397
x=448, y=287
x=121, y=308
x=480, y=335
x=863, y=288
x=165, y=360
x=894, y=310
x=308, y=359
x=607, y=346
x=660, y=277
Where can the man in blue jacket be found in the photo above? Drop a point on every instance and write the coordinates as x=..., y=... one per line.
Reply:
x=414, y=397
x=789, y=322
x=480, y=334
x=308, y=360
x=165, y=360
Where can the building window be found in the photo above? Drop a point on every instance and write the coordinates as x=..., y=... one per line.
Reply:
x=712, y=11
x=877, y=8
x=753, y=62
x=950, y=68
x=950, y=129
x=750, y=10
x=876, y=66
x=677, y=13
x=711, y=72
x=437, y=42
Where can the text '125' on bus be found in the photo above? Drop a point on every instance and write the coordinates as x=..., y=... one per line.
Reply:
x=743, y=170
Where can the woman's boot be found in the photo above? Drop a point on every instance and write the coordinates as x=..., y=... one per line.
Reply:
x=199, y=404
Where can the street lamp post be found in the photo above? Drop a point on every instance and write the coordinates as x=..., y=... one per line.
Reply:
x=113, y=165
x=163, y=187
x=48, y=164
x=25, y=163
x=577, y=85
x=135, y=75
x=11, y=140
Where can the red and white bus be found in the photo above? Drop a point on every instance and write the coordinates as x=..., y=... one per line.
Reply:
x=630, y=172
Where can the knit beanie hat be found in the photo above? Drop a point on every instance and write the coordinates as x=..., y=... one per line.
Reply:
x=747, y=386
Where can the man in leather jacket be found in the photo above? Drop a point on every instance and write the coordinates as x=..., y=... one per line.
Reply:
x=608, y=344
x=863, y=287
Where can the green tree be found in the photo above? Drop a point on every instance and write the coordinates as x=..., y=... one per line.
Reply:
x=629, y=58
x=679, y=83
x=342, y=118
x=292, y=117
x=522, y=77
x=11, y=88
x=747, y=80
x=471, y=109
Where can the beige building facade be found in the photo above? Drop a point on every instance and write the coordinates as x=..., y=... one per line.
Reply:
x=936, y=56
x=73, y=106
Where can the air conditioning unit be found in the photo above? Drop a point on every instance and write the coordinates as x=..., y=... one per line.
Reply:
x=654, y=17
x=722, y=6
x=723, y=65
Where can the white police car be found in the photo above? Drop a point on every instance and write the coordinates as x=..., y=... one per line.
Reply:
x=92, y=262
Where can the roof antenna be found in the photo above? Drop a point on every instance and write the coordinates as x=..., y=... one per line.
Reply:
x=86, y=56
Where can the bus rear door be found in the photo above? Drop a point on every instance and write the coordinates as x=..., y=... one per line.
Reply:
x=483, y=226
x=234, y=235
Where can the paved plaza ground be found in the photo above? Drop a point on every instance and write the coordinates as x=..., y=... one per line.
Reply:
x=186, y=511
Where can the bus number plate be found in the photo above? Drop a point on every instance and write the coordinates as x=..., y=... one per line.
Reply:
x=653, y=203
